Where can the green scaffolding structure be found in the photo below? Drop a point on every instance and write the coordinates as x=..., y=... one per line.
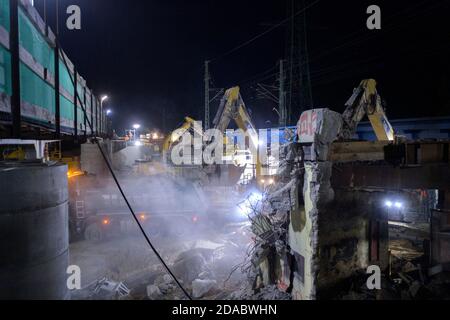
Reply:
x=37, y=77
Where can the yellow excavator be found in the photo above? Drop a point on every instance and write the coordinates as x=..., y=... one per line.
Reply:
x=366, y=101
x=14, y=154
x=176, y=135
x=232, y=107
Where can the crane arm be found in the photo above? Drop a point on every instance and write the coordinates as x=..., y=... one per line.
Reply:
x=366, y=101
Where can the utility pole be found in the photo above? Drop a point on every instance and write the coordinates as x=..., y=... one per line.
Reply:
x=207, y=102
x=282, y=96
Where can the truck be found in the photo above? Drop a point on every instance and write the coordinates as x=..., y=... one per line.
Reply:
x=164, y=207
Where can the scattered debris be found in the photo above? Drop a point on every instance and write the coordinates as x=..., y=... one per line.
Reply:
x=153, y=292
x=191, y=263
x=202, y=287
x=167, y=279
x=409, y=267
x=165, y=287
x=404, y=249
x=268, y=293
x=108, y=289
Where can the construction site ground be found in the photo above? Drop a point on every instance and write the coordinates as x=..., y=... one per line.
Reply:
x=211, y=258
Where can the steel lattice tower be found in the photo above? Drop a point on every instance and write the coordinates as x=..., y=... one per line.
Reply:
x=298, y=82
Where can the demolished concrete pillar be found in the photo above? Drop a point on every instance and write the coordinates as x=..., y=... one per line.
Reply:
x=328, y=236
x=317, y=130
x=304, y=228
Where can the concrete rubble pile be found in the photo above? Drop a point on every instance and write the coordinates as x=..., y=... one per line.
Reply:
x=193, y=269
x=286, y=223
x=203, y=269
x=408, y=280
x=162, y=288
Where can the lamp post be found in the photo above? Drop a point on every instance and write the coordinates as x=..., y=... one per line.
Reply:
x=136, y=127
x=102, y=119
x=109, y=129
x=104, y=98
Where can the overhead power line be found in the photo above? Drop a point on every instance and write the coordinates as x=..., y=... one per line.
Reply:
x=246, y=43
x=349, y=40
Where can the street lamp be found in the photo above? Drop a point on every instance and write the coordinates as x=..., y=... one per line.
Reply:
x=136, y=127
x=108, y=122
x=102, y=100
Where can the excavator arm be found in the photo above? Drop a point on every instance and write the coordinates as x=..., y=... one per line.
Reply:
x=232, y=107
x=366, y=101
x=178, y=133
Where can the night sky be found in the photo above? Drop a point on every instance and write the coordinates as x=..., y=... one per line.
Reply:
x=148, y=55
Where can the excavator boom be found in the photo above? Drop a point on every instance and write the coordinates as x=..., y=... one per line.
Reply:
x=178, y=133
x=366, y=101
x=232, y=107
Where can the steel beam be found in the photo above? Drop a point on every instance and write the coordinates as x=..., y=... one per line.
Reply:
x=428, y=176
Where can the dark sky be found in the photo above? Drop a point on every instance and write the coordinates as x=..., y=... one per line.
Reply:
x=148, y=55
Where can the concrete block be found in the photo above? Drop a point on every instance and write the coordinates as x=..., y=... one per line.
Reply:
x=319, y=127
